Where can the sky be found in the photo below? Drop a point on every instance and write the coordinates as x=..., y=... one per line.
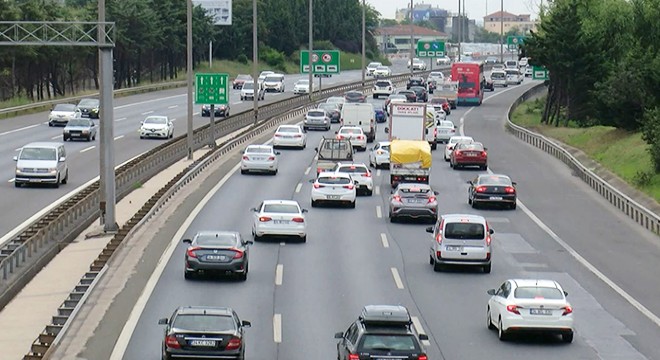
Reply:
x=475, y=9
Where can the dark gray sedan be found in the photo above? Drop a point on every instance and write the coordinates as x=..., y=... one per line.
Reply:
x=80, y=129
x=413, y=201
x=223, y=252
x=492, y=189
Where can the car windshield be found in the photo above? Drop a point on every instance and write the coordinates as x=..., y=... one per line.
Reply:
x=382, y=68
x=398, y=96
x=204, y=322
x=258, y=150
x=281, y=208
x=473, y=146
x=371, y=342
x=512, y=72
x=38, y=154
x=316, y=113
x=495, y=180
x=373, y=65
x=464, y=231
x=78, y=122
x=88, y=102
x=303, y=82
x=385, y=147
x=155, y=120
x=244, y=77
x=327, y=106
x=273, y=79
x=333, y=180
x=538, y=292
x=497, y=75
x=448, y=124
x=216, y=239
x=64, y=107
x=353, y=169
x=335, y=100
x=288, y=130
x=383, y=83
x=248, y=86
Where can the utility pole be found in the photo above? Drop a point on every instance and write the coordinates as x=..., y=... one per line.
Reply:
x=412, y=37
x=255, y=64
x=460, y=28
x=190, y=75
x=364, y=36
x=502, y=31
x=210, y=54
x=311, y=52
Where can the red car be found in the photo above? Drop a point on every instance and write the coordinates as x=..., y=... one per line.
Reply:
x=442, y=101
x=473, y=154
x=240, y=79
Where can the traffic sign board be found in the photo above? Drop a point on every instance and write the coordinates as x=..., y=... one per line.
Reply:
x=323, y=61
x=211, y=88
x=513, y=41
x=539, y=73
x=430, y=49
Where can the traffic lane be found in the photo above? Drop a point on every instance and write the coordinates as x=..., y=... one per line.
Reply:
x=577, y=214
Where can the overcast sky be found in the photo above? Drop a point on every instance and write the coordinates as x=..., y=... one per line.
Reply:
x=476, y=9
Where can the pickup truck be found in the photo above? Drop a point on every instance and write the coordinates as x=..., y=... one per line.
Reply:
x=331, y=151
x=447, y=89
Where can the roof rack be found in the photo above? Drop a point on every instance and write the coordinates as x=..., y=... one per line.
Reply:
x=385, y=315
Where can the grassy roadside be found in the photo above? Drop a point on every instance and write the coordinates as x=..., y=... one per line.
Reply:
x=623, y=153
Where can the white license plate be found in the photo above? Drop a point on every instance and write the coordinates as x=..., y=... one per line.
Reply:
x=215, y=257
x=472, y=154
x=454, y=248
x=35, y=180
x=540, y=312
x=75, y=134
x=209, y=343
x=496, y=198
x=280, y=221
x=333, y=197
x=259, y=158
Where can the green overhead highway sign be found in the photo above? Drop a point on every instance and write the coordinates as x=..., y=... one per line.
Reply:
x=539, y=73
x=211, y=88
x=323, y=62
x=513, y=42
x=430, y=49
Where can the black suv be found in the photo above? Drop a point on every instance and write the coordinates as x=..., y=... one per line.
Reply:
x=381, y=331
x=88, y=108
x=204, y=332
x=416, y=81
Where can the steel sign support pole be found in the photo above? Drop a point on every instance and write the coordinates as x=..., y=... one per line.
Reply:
x=311, y=51
x=190, y=75
x=502, y=31
x=212, y=127
x=210, y=54
x=364, y=37
x=412, y=38
x=255, y=64
x=460, y=28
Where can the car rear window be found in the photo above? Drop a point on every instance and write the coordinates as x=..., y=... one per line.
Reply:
x=200, y=322
x=288, y=130
x=334, y=180
x=281, y=208
x=316, y=113
x=472, y=146
x=385, y=147
x=353, y=169
x=464, y=231
x=414, y=192
x=78, y=122
x=219, y=240
x=448, y=124
x=495, y=180
x=538, y=292
x=382, y=83
x=375, y=342
x=258, y=150
x=497, y=75
x=350, y=131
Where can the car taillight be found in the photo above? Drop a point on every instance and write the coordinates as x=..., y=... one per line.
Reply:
x=438, y=239
x=353, y=357
x=339, y=137
x=396, y=198
x=513, y=309
x=191, y=252
x=298, y=220
x=271, y=158
x=233, y=344
x=510, y=190
x=484, y=154
x=349, y=186
x=458, y=153
x=379, y=152
x=435, y=132
x=452, y=130
x=567, y=310
x=317, y=185
x=422, y=357
x=481, y=189
x=438, y=254
x=389, y=88
x=277, y=135
x=488, y=240
x=171, y=342
x=367, y=174
x=265, y=218
x=360, y=137
x=237, y=253
x=246, y=158
x=432, y=199
x=297, y=136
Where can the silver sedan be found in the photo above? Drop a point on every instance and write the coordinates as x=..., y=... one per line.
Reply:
x=260, y=158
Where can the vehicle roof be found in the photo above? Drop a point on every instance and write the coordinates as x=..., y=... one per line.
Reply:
x=461, y=138
x=316, y=109
x=253, y=146
x=468, y=217
x=350, y=127
x=43, y=144
x=288, y=126
x=352, y=164
x=203, y=310
x=385, y=314
x=384, y=143
x=282, y=202
x=536, y=283
x=493, y=175
x=156, y=117
x=336, y=174
x=413, y=185
x=216, y=232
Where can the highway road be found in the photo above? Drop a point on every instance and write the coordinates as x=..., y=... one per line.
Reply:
x=83, y=156
x=298, y=295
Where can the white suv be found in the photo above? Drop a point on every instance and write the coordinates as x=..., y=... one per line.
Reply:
x=383, y=87
x=372, y=67
x=274, y=82
x=460, y=239
x=360, y=173
x=334, y=187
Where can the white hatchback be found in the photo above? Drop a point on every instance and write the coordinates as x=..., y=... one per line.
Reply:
x=382, y=87
x=260, y=158
x=279, y=218
x=289, y=136
x=452, y=143
x=379, y=156
x=355, y=135
x=334, y=187
x=360, y=174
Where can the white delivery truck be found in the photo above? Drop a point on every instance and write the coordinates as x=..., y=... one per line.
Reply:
x=411, y=122
x=362, y=115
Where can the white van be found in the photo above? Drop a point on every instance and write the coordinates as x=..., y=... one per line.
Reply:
x=41, y=163
x=514, y=77
x=274, y=82
x=362, y=115
x=498, y=77
x=511, y=64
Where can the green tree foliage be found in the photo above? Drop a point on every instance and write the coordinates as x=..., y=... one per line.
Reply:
x=482, y=35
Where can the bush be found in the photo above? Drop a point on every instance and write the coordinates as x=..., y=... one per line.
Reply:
x=242, y=59
x=643, y=178
x=272, y=57
x=369, y=54
x=324, y=45
x=651, y=134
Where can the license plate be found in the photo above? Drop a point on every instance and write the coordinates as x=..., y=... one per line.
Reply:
x=73, y=134
x=215, y=257
x=280, y=221
x=454, y=248
x=333, y=197
x=35, y=180
x=540, y=312
x=496, y=198
x=209, y=343
x=259, y=158
x=472, y=154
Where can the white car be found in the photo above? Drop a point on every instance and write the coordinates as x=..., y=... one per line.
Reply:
x=372, y=67
x=514, y=76
x=437, y=112
x=61, y=114
x=274, y=82
x=452, y=143
x=360, y=174
x=529, y=71
x=156, y=127
x=498, y=77
x=382, y=87
x=302, y=87
x=339, y=100
x=279, y=218
x=261, y=158
x=417, y=64
x=445, y=60
x=334, y=187
x=379, y=156
x=436, y=76
x=521, y=305
x=461, y=239
x=247, y=91
x=511, y=64
x=523, y=62
x=290, y=136
x=263, y=74
x=382, y=71
x=444, y=131
x=316, y=119
x=355, y=135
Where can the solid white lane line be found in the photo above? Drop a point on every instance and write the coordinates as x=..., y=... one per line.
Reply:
x=173, y=106
x=56, y=137
x=87, y=149
x=378, y=172
x=197, y=113
x=147, y=112
x=277, y=328
x=397, y=278
x=377, y=190
x=308, y=170
x=120, y=119
x=298, y=187
x=379, y=213
x=383, y=239
x=279, y=272
x=420, y=329
x=119, y=137
x=20, y=129
x=129, y=327
x=12, y=180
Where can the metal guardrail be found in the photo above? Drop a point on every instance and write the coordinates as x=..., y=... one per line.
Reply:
x=634, y=210
x=22, y=257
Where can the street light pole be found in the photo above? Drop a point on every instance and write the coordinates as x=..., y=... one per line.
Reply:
x=364, y=36
x=502, y=31
x=412, y=38
x=460, y=28
x=190, y=75
x=311, y=51
x=255, y=64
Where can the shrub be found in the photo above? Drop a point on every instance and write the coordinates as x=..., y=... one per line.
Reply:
x=242, y=59
x=272, y=57
x=323, y=45
x=651, y=134
x=643, y=178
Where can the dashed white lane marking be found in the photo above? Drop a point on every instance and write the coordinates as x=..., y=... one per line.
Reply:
x=236, y=102
x=56, y=137
x=383, y=239
x=147, y=112
x=119, y=137
x=379, y=212
x=378, y=172
x=277, y=328
x=87, y=149
x=21, y=129
x=377, y=190
x=308, y=170
x=397, y=278
x=173, y=106
x=298, y=187
x=120, y=119
x=279, y=273
x=420, y=329
x=12, y=180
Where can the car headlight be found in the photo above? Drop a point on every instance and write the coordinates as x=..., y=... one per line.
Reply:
x=66, y=131
x=52, y=170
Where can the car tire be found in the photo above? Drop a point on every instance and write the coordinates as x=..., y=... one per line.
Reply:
x=188, y=275
x=484, y=168
x=244, y=171
x=364, y=148
x=327, y=129
x=368, y=192
x=437, y=267
x=487, y=269
x=431, y=260
x=567, y=337
x=469, y=201
x=303, y=239
x=445, y=156
x=451, y=164
x=513, y=206
x=50, y=124
x=244, y=275
x=314, y=203
x=166, y=356
x=94, y=137
x=474, y=204
x=501, y=334
x=489, y=322
x=434, y=146
x=141, y=137
x=65, y=138
x=375, y=96
x=352, y=205
x=274, y=172
x=17, y=184
x=66, y=177
x=57, y=184
x=89, y=138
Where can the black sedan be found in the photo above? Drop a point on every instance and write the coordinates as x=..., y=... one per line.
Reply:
x=421, y=93
x=489, y=85
x=355, y=96
x=333, y=111
x=218, y=110
x=415, y=81
x=413, y=201
x=217, y=252
x=492, y=189
x=88, y=108
x=204, y=332
x=410, y=95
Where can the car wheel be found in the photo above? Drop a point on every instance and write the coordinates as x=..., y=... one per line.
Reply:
x=369, y=192
x=352, y=205
x=431, y=260
x=244, y=171
x=274, y=172
x=485, y=167
x=17, y=184
x=57, y=184
x=188, y=275
x=501, y=334
x=567, y=337
x=469, y=201
x=487, y=269
x=474, y=204
x=65, y=138
x=303, y=239
x=489, y=322
x=89, y=138
x=243, y=276
x=513, y=206
x=375, y=96
x=314, y=203
x=94, y=137
x=141, y=137
x=50, y=124
x=451, y=164
x=66, y=177
x=446, y=159
x=166, y=356
x=364, y=149
x=437, y=267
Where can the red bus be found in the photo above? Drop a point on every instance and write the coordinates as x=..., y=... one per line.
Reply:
x=471, y=81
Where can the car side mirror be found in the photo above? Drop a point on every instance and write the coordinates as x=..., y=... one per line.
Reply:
x=436, y=193
x=311, y=181
x=514, y=183
x=469, y=182
x=387, y=130
x=15, y=158
x=490, y=292
x=565, y=293
x=187, y=241
x=339, y=335
x=356, y=182
x=246, y=324
x=491, y=231
x=248, y=242
x=429, y=229
x=253, y=209
x=305, y=211
x=316, y=149
x=62, y=159
x=336, y=132
x=485, y=149
x=163, y=321
x=277, y=153
x=423, y=337
x=141, y=122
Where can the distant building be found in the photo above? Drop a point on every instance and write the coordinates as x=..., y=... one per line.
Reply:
x=424, y=12
x=493, y=22
x=397, y=38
